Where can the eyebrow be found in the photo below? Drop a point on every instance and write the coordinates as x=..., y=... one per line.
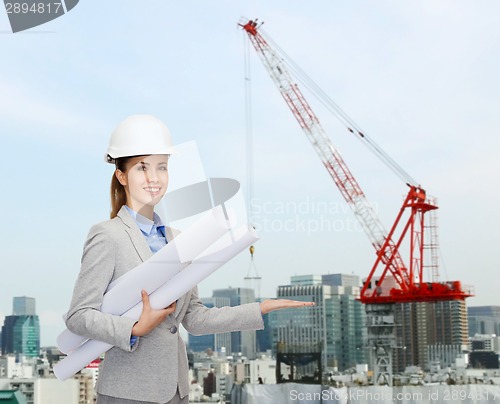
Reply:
x=147, y=164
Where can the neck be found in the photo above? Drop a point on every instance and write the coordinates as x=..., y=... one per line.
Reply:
x=146, y=211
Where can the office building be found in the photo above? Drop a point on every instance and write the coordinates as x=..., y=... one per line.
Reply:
x=24, y=306
x=440, y=356
x=485, y=342
x=45, y=390
x=336, y=324
x=484, y=320
x=306, y=280
x=341, y=280
x=419, y=325
x=21, y=332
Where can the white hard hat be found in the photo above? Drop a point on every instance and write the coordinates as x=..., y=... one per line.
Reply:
x=139, y=135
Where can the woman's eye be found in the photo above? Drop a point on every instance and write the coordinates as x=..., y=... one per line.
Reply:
x=142, y=168
x=163, y=168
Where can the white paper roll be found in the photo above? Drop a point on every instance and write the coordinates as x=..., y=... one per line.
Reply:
x=170, y=291
x=125, y=292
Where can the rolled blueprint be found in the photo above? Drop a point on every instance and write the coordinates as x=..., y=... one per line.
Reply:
x=125, y=292
x=183, y=281
x=212, y=195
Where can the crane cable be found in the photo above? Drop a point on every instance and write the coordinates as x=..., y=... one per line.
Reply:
x=248, y=130
x=252, y=274
x=333, y=108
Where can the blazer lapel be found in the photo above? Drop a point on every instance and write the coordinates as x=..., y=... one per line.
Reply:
x=180, y=303
x=139, y=242
x=141, y=246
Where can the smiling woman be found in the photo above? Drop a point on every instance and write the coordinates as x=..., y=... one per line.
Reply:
x=144, y=179
x=148, y=361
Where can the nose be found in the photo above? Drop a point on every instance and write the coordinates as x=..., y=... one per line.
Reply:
x=151, y=175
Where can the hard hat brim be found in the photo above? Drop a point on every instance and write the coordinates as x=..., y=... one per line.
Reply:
x=111, y=159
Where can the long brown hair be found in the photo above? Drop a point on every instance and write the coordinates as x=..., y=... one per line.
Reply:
x=118, y=195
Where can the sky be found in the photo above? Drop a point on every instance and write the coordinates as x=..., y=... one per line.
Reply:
x=421, y=78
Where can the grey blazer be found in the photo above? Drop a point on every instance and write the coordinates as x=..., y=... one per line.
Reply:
x=156, y=365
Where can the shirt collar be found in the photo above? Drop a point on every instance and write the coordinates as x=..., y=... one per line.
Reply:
x=146, y=225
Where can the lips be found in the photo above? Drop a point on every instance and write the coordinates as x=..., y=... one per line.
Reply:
x=153, y=190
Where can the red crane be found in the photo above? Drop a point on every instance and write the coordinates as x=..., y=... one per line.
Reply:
x=390, y=280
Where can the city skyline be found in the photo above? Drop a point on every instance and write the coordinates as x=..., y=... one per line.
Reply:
x=184, y=334
x=420, y=78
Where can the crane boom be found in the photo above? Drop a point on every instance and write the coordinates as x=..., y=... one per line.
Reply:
x=409, y=285
x=329, y=155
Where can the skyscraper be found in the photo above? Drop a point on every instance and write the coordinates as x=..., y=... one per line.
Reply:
x=420, y=325
x=24, y=306
x=336, y=323
x=484, y=320
x=21, y=331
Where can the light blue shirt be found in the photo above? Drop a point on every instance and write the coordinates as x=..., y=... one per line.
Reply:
x=152, y=230
x=154, y=233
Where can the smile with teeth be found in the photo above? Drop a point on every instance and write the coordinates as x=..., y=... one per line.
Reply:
x=153, y=190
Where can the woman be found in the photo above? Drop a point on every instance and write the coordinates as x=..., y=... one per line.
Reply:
x=148, y=363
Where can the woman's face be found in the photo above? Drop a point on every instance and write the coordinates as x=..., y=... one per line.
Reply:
x=145, y=181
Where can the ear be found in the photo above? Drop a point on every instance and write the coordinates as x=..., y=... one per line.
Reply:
x=121, y=177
